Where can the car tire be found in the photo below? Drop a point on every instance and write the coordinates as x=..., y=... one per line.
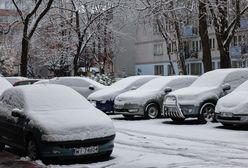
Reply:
x=152, y=111
x=2, y=146
x=128, y=117
x=207, y=113
x=178, y=120
x=32, y=149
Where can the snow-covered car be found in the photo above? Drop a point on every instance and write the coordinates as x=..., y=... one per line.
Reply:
x=104, y=99
x=147, y=100
x=53, y=121
x=199, y=99
x=14, y=79
x=232, y=109
x=4, y=84
x=82, y=85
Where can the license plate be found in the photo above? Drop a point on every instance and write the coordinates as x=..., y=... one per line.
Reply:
x=86, y=150
x=226, y=114
x=171, y=109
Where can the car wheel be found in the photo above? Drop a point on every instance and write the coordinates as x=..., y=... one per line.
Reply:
x=129, y=117
x=1, y=146
x=178, y=120
x=152, y=111
x=32, y=149
x=207, y=113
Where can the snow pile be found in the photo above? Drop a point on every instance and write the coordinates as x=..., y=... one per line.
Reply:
x=119, y=87
x=235, y=102
x=63, y=114
x=4, y=84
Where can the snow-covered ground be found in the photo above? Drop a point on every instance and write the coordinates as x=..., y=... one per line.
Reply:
x=161, y=143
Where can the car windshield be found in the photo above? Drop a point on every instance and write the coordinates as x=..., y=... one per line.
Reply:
x=53, y=97
x=243, y=87
x=210, y=79
x=124, y=83
x=155, y=84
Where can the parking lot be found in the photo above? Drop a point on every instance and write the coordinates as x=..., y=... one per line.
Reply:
x=162, y=143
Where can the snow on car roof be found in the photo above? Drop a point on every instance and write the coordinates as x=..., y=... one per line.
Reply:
x=216, y=77
x=4, y=84
x=160, y=82
x=123, y=83
x=56, y=97
x=79, y=78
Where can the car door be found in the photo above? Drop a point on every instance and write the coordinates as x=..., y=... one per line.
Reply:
x=11, y=127
x=82, y=87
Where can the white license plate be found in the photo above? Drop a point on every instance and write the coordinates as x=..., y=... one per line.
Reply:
x=226, y=114
x=86, y=150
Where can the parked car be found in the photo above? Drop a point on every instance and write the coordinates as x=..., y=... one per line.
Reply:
x=82, y=85
x=4, y=84
x=232, y=109
x=104, y=99
x=53, y=121
x=147, y=100
x=14, y=79
x=25, y=82
x=199, y=99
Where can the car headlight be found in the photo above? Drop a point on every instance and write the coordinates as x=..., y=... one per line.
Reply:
x=171, y=100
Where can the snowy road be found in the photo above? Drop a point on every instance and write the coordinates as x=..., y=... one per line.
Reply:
x=161, y=143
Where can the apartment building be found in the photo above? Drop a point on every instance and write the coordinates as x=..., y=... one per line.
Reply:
x=152, y=57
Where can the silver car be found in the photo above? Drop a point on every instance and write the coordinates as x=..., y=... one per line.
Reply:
x=199, y=99
x=148, y=99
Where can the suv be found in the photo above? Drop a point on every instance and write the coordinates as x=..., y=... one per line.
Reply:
x=199, y=99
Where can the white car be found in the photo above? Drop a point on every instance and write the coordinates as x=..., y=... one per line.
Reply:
x=104, y=99
x=199, y=99
x=4, y=84
x=82, y=85
x=147, y=100
x=53, y=121
x=232, y=109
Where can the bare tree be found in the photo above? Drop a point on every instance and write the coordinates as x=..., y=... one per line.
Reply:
x=30, y=20
x=226, y=18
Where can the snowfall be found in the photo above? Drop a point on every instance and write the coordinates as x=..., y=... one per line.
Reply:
x=161, y=143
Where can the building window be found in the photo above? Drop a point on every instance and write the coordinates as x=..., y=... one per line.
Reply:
x=218, y=65
x=213, y=65
x=159, y=70
x=158, y=49
x=235, y=64
x=155, y=28
x=196, y=68
x=170, y=70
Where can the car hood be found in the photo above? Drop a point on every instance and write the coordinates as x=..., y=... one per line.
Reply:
x=137, y=96
x=105, y=94
x=195, y=95
x=70, y=125
x=235, y=102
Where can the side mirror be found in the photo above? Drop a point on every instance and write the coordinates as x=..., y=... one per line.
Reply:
x=167, y=90
x=134, y=88
x=18, y=113
x=226, y=87
x=91, y=87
